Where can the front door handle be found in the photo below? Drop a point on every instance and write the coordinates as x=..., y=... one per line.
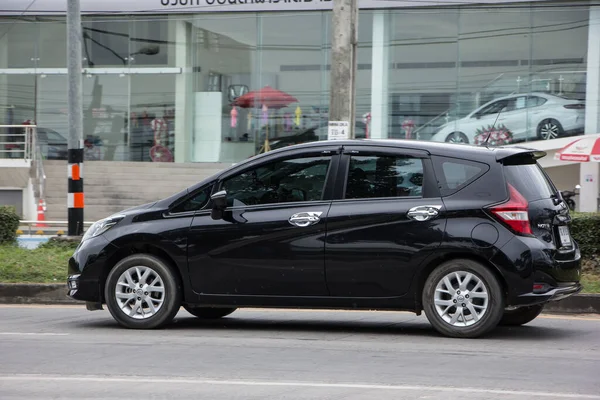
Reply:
x=424, y=213
x=306, y=218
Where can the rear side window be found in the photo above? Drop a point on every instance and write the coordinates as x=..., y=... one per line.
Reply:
x=384, y=176
x=454, y=174
x=530, y=181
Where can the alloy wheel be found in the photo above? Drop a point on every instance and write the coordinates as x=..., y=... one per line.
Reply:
x=140, y=292
x=457, y=137
x=549, y=130
x=461, y=298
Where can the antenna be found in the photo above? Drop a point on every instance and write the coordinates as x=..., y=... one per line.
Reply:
x=493, y=126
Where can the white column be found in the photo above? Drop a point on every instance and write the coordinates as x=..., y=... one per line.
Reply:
x=3, y=77
x=183, y=90
x=590, y=172
x=379, y=78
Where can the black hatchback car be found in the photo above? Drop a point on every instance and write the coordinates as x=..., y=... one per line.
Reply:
x=473, y=236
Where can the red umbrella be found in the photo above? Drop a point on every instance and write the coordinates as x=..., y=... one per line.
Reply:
x=586, y=149
x=268, y=96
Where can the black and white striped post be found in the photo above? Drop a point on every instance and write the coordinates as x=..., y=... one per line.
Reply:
x=75, y=151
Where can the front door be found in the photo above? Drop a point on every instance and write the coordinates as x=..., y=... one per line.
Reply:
x=271, y=240
x=389, y=218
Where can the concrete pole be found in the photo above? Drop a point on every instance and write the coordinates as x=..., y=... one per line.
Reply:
x=75, y=200
x=344, y=40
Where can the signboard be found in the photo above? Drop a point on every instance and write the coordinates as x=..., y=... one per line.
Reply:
x=59, y=7
x=338, y=130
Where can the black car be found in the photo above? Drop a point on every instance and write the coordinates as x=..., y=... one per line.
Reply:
x=473, y=236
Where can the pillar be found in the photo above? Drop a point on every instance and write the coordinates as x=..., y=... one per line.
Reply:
x=380, y=75
x=590, y=172
x=180, y=29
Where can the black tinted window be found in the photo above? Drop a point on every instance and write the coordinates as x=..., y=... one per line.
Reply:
x=458, y=173
x=298, y=179
x=384, y=176
x=530, y=181
x=197, y=202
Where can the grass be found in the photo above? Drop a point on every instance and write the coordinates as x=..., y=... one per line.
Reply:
x=48, y=264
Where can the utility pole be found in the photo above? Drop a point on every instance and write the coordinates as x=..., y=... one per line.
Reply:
x=75, y=199
x=344, y=41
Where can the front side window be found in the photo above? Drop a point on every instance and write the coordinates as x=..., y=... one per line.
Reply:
x=291, y=180
x=384, y=176
x=196, y=202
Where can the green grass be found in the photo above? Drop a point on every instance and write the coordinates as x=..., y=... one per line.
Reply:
x=48, y=264
x=591, y=283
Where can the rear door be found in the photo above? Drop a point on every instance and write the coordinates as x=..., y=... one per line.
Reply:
x=386, y=217
x=548, y=214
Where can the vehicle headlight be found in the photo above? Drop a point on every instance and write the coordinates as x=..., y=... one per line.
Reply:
x=101, y=226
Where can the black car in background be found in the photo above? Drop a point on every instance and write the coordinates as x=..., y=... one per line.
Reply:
x=472, y=236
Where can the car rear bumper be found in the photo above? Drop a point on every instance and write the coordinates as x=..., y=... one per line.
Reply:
x=552, y=294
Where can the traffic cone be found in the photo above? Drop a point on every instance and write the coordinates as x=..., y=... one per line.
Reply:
x=41, y=217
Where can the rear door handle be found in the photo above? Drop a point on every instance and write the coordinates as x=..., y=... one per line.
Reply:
x=424, y=213
x=306, y=218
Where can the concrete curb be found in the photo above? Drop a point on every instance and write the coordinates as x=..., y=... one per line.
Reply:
x=35, y=293
x=31, y=293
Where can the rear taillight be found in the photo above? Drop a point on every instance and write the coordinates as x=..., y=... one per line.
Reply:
x=575, y=106
x=514, y=212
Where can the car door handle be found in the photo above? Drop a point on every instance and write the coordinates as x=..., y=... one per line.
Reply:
x=305, y=219
x=424, y=213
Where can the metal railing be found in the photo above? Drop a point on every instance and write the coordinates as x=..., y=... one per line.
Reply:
x=21, y=142
x=31, y=225
x=18, y=144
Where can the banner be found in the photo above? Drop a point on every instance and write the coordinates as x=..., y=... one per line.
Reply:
x=58, y=7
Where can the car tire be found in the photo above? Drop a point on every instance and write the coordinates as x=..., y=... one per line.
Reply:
x=521, y=315
x=549, y=129
x=142, y=292
x=471, y=306
x=209, y=312
x=457, y=137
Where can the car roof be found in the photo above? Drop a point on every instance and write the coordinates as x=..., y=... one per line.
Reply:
x=436, y=148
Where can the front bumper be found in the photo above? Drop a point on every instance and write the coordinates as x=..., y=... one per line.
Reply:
x=552, y=294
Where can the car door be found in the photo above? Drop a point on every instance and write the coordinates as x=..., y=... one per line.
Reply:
x=271, y=238
x=383, y=223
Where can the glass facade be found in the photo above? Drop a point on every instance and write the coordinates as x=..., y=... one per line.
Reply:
x=160, y=88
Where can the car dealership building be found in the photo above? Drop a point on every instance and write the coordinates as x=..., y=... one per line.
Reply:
x=167, y=71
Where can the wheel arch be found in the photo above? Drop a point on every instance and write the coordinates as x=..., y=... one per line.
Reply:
x=430, y=265
x=131, y=248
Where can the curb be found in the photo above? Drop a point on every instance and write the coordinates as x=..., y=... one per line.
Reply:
x=32, y=293
x=35, y=293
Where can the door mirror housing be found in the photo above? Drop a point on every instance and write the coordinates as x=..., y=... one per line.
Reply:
x=219, y=201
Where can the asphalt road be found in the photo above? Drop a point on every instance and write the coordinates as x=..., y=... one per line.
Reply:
x=52, y=352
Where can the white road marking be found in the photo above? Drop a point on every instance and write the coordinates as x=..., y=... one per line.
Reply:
x=146, y=379
x=34, y=334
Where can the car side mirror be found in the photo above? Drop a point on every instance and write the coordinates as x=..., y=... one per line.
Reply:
x=219, y=201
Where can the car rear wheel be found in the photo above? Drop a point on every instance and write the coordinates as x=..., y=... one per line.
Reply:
x=549, y=129
x=209, y=312
x=521, y=315
x=457, y=137
x=463, y=299
x=142, y=292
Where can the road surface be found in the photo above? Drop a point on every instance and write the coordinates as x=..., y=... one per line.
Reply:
x=66, y=352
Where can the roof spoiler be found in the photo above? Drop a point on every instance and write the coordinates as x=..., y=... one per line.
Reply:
x=518, y=154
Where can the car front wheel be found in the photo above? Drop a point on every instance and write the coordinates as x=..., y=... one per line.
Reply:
x=463, y=299
x=142, y=292
x=521, y=315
